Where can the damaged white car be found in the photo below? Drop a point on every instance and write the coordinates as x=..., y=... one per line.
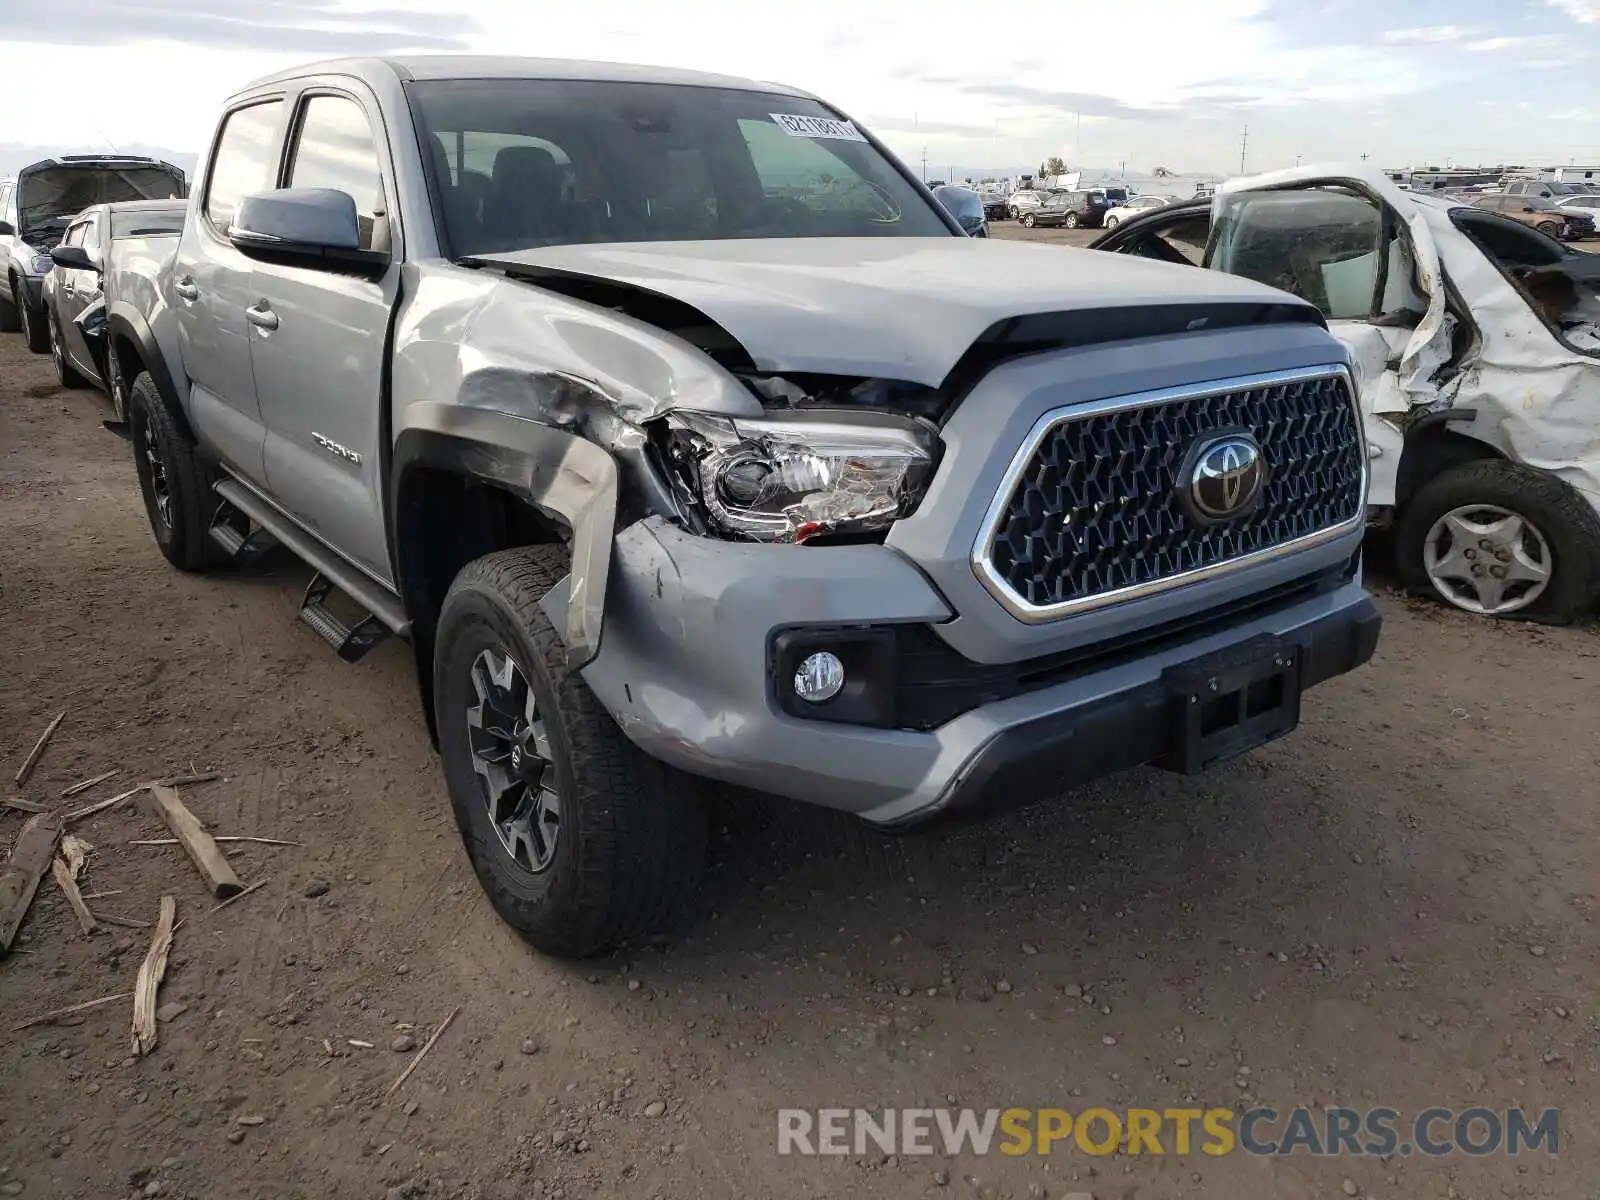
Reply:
x=1477, y=345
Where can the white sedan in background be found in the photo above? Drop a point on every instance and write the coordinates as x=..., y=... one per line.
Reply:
x=1133, y=208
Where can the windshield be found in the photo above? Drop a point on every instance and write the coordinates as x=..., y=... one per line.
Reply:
x=529, y=162
x=147, y=222
x=48, y=199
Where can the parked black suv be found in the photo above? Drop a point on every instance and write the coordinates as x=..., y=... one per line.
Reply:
x=1072, y=209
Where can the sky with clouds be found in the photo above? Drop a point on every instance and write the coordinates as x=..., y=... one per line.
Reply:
x=1146, y=82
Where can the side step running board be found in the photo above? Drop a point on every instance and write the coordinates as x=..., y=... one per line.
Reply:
x=242, y=547
x=384, y=615
x=349, y=642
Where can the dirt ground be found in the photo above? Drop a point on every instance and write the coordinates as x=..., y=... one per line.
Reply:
x=1394, y=906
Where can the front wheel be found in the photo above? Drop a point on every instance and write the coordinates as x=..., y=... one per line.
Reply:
x=1112, y=222
x=34, y=330
x=1549, y=229
x=66, y=374
x=1497, y=539
x=10, y=309
x=1027, y=220
x=580, y=839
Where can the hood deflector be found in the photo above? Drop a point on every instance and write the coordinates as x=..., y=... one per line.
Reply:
x=1009, y=338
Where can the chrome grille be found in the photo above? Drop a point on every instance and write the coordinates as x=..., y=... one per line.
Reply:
x=1089, y=513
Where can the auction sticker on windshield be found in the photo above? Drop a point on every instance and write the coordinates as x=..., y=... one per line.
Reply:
x=817, y=127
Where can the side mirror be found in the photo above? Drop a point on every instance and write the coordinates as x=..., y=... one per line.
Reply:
x=74, y=258
x=7, y=229
x=315, y=228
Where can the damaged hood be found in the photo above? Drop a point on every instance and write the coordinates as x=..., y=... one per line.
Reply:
x=896, y=308
x=51, y=193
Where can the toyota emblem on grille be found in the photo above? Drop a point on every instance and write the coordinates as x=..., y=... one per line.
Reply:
x=1225, y=477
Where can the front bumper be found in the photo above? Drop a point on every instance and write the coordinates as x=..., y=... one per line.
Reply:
x=1130, y=728
x=686, y=667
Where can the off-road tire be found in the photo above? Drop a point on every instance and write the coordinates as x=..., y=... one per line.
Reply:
x=34, y=331
x=1570, y=528
x=10, y=317
x=1027, y=220
x=184, y=536
x=633, y=832
x=66, y=374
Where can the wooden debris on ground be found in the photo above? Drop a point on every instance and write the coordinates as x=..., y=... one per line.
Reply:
x=79, y=788
x=186, y=780
x=76, y=852
x=260, y=883
x=66, y=868
x=19, y=880
x=151, y=971
x=37, y=752
x=426, y=1046
x=125, y=922
x=21, y=805
x=200, y=845
x=69, y=887
x=98, y=806
x=260, y=841
x=55, y=1014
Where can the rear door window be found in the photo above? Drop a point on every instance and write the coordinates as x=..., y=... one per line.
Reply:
x=245, y=161
x=1561, y=286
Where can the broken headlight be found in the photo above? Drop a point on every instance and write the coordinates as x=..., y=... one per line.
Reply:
x=787, y=479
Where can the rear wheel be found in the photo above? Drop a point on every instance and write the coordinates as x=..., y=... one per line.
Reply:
x=1497, y=539
x=1072, y=221
x=66, y=374
x=174, y=480
x=580, y=839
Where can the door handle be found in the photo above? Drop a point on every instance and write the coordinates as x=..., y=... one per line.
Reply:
x=186, y=289
x=261, y=316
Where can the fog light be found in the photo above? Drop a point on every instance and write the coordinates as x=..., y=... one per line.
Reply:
x=819, y=678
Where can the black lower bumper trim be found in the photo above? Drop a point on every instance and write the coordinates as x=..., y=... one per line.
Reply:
x=1146, y=724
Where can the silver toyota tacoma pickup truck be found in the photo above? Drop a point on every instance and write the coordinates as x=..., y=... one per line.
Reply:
x=686, y=437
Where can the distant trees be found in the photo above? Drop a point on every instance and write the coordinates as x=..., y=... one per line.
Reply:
x=1054, y=165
